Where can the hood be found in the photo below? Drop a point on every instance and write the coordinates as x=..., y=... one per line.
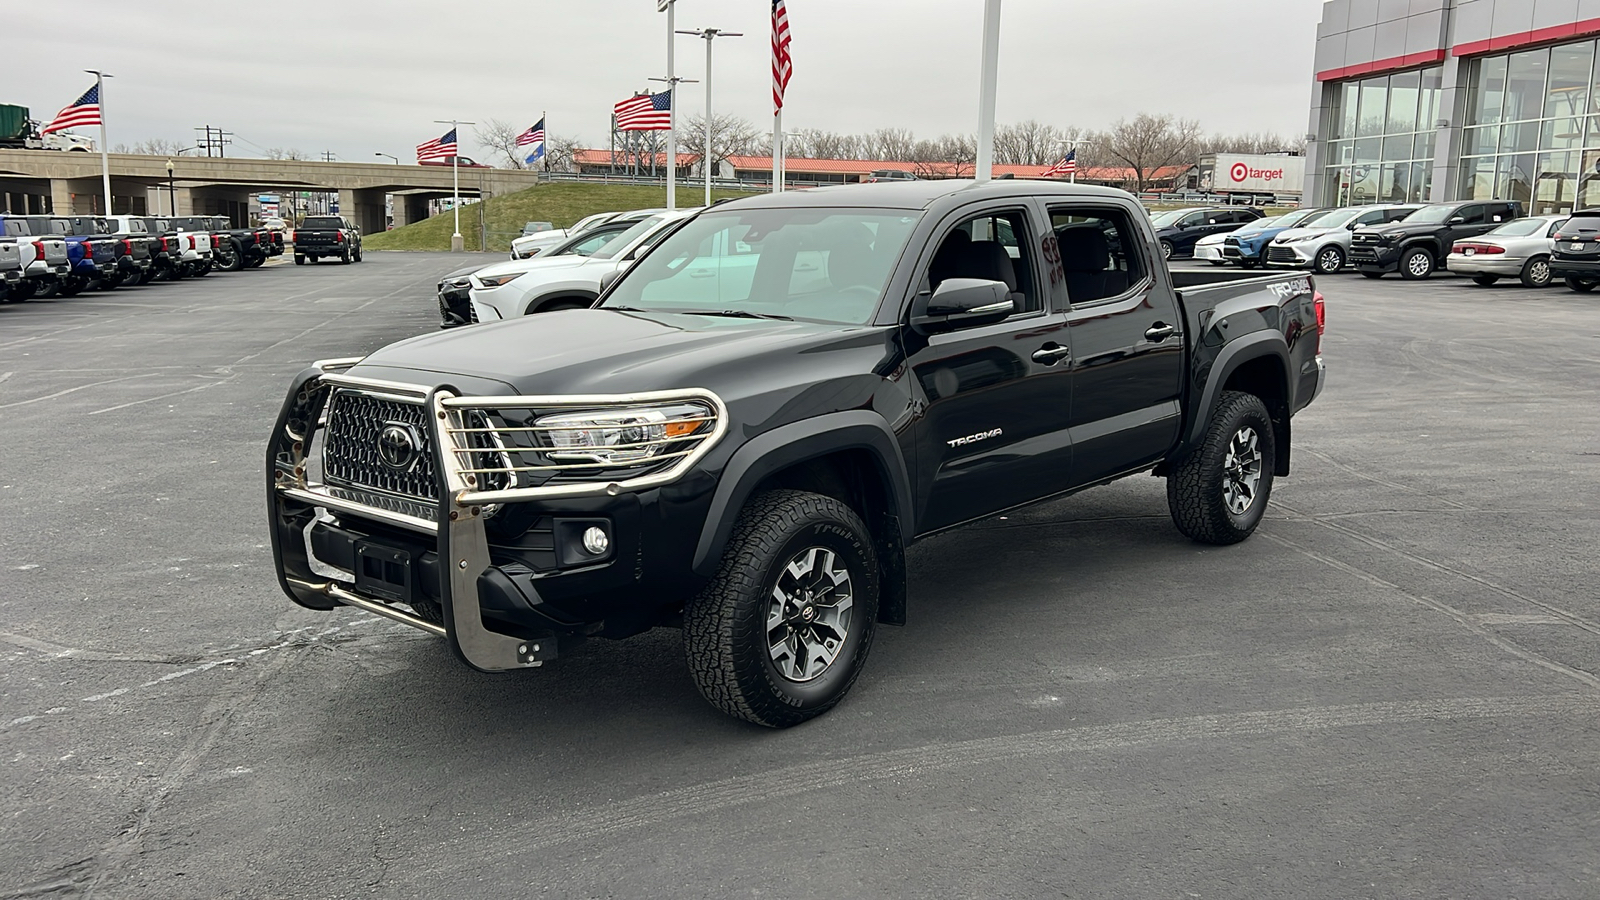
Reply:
x=1294, y=234
x=1407, y=227
x=1210, y=239
x=538, y=263
x=462, y=273
x=1259, y=236
x=600, y=351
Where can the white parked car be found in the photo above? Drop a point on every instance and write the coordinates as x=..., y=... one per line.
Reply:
x=1518, y=249
x=1323, y=244
x=531, y=245
x=1209, y=248
x=521, y=287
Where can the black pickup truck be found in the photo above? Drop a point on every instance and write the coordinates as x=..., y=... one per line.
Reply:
x=748, y=427
x=320, y=236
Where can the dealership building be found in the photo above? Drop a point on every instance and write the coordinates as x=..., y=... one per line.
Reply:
x=1418, y=100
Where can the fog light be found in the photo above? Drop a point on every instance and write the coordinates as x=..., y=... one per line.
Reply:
x=595, y=540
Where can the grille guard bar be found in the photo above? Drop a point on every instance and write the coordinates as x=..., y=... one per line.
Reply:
x=461, y=538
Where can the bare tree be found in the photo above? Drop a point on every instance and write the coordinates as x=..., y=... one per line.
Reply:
x=500, y=136
x=285, y=153
x=1151, y=142
x=561, y=152
x=893, y=144
x=730, y=136
x=815, y=143
x=1027, y=144
x=152, y=147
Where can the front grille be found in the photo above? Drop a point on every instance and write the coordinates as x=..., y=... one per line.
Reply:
x=1364, y=239
x=1281, y=254
x=1363, y=253
x=472, y=312
x=1230, y=242
x=350, y=452
x=1231, y=251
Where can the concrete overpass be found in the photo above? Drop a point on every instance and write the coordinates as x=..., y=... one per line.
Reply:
x=40, y=181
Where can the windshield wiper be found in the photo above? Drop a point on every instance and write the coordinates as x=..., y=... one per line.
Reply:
x=735, y=314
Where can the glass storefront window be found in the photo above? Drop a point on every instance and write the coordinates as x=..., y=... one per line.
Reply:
x=1391, y=118
x=1422, y=146
x=1557, y=185
x=1521, y=137
x=1477, y=178
x=1514, y=178
x=1403, y=88
x=1525, y=83
x=1488, y=91
x=1428, y=100
x=1345, y=116
x=1374, y=100
x=1568, y=94
x=1588, y=180
x=1483, y=139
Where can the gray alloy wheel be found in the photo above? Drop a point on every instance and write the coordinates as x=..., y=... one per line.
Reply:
x=1417, y=263
x=1166, y=249
x=1330, y=260
x=808, y=614
x=1241, y=470
x=1536, y=272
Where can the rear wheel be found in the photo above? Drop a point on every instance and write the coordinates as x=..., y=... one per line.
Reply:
x=1166, y=249
x=299, y=259
x=1581, y=285
x=1330, y=260
x=111, y=282
x=1416, y=263
x=1536, y=272
x=358, y=255
x=1485, y=280
x=71, y=287
x=233, y=262
x=147, y=276
x=344, y=258
x=1219, y=492
x=783, y=629
x=22, y=290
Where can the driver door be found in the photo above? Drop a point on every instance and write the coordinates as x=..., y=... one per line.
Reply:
x=995, y=399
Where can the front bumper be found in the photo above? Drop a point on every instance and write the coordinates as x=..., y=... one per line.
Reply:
x=1209, y=253
x=455, y=307
x=1375, y=258
x=1290, y=256
x=506, y=566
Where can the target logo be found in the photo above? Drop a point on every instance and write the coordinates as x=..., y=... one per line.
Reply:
x=1239, y=172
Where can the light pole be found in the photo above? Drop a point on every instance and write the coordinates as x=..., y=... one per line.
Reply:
x=987, y=86
x=396, y=158
x=710, y=34
x=456, y=244
x=670, y=7
x=172, y=192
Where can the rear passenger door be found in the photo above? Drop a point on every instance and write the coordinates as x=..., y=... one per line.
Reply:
x=1127, y=342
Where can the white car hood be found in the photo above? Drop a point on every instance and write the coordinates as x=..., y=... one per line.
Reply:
x=1211, y=239
x=538, y=263
x=1297, y=233
x=543, y=237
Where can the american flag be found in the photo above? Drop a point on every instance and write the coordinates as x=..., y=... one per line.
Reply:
x=1067, y=165
x=439, y=148
x=83, y=111
x=782, y=62
x=534, y=135
x=646, y=112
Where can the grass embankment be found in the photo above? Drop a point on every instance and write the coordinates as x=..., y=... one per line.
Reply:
x=560, y=204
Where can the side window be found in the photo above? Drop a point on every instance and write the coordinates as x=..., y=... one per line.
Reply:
x=1503, y=212
x=1192, y=220
x=994, y=247
x=1472, y=214
x=1371, y=218
x=1099, y=252
x=1554, y=227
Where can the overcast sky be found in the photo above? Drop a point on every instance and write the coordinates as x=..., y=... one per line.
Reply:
x=361, y=77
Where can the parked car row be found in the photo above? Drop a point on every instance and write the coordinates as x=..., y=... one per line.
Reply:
x=48, y=256
x=557, y=273
x=1485, y=239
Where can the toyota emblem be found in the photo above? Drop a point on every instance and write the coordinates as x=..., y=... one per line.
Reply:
x=398, y=446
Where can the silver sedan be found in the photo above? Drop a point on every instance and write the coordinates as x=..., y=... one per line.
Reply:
x=1518, y=249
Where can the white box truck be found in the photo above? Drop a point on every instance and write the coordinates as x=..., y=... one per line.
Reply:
x=1258, y=174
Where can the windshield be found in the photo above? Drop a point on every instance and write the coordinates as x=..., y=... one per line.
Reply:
x=584, y=244
x=1429, y=215
x=1522, y=227
x=1296, y=219
x=821, y=265
x=623, y=240
x=1336, y=219
x=1263, y=224
x=1168, y=218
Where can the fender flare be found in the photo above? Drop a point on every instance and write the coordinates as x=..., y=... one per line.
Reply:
x=1234, y=354
x=794, y=443
x=575, y=293
x=1430, y=244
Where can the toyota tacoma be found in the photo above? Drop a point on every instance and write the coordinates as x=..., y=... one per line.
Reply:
x=744, y=431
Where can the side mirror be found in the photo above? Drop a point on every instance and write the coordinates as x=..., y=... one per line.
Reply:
x=1456, y=220
x=608, y=279
x=1352, y=226
x=961, y=303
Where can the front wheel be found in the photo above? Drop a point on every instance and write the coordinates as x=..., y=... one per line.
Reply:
x=1417, y=263
x=1536, y=272
x=782, y=631
x=1219, y=492
x=1166, y=249
x=1485, y=280
x=1581, y=285
x=1330, y=260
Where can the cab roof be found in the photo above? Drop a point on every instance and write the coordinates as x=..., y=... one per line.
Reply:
x=922, y=194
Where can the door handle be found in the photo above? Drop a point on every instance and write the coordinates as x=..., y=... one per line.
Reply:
x=1159, y=332
x=1050, y=354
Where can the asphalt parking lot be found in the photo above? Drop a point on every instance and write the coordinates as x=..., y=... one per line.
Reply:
x=1390, y=691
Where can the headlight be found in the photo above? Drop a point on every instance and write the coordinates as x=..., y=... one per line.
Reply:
x=494, y=281
x=1302, y=239
x=622, y=436
x=1391, y=236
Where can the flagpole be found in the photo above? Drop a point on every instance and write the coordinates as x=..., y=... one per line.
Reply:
x=544, y=146
x=105, y=162
x=987, y=87
x=672, y=109
x=456, y=243
x=777, y=151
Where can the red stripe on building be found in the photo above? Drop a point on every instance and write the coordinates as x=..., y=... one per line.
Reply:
x=1393, y=63
x=1529, y=38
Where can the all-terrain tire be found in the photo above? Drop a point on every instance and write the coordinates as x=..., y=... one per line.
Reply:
x=726, y=628
x=344, y=258
x=1197, y=487
x=233, y=262
x=428, y=610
